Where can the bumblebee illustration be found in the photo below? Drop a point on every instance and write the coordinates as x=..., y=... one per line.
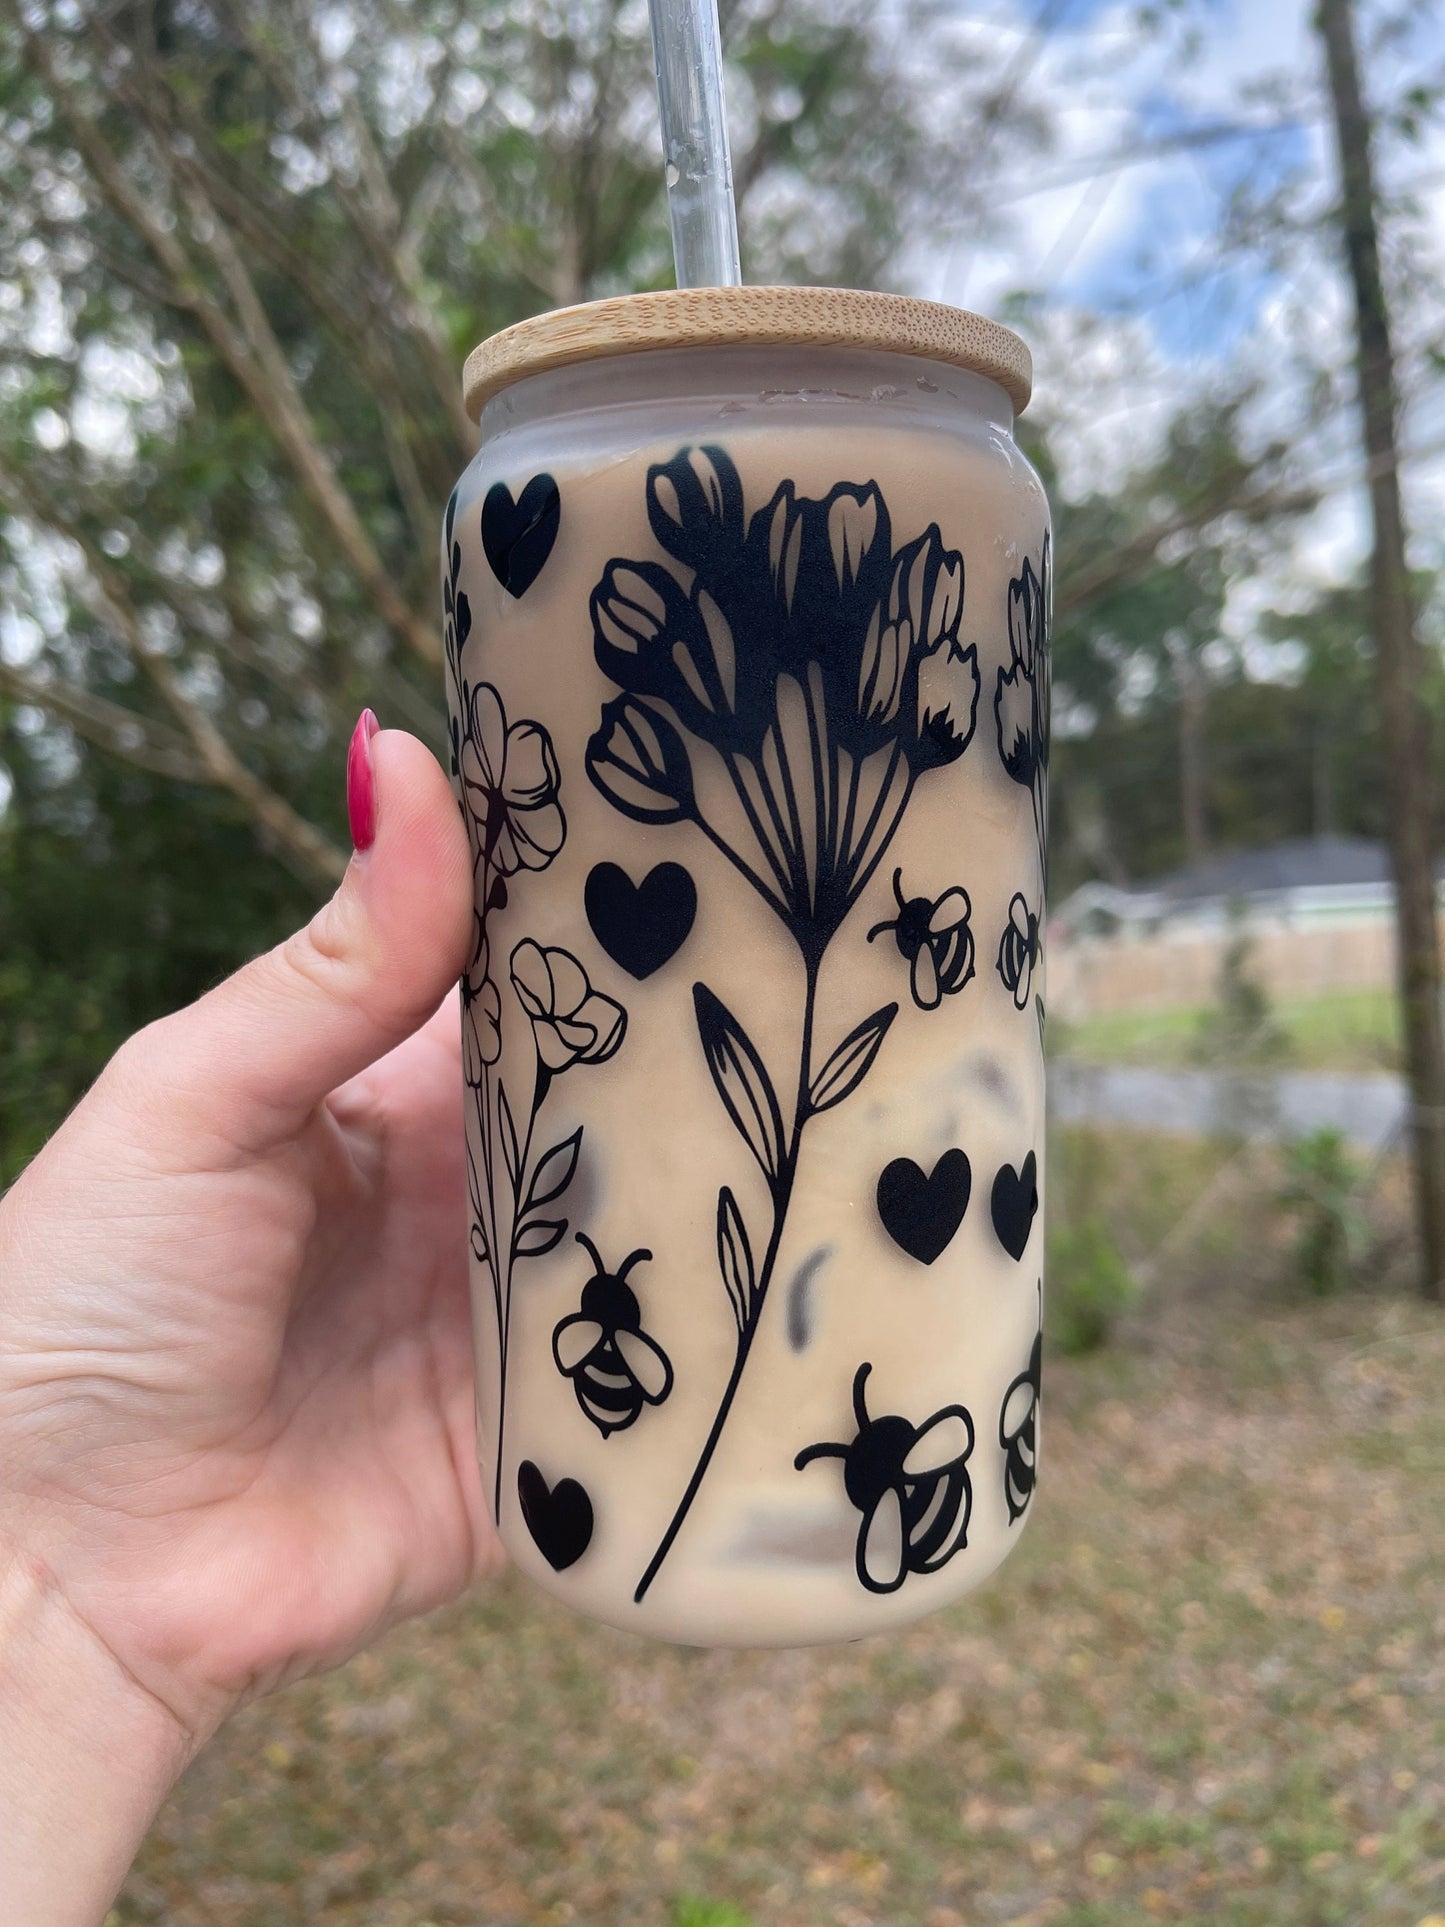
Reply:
x=934, y=938
x=615, y=1368
x=911, y=1484
x=1018, y=1434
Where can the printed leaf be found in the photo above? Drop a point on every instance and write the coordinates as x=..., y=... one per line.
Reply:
x=554, y=1170
x=510, y=1153
x=479, y=1244
x=538, y=1237
x=742, y=1083
x=851, y=1061
x=734, y=1256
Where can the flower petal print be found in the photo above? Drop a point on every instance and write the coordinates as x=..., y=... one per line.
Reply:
x=510, y=783
x=793, y=655
x=1018, y=951
x=571, y=1022
x=935, y=938
x=481, y=1009
x=1021, y=704
x=770, y=677
x=639, y=762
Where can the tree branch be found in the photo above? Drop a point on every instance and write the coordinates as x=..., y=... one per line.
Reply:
x=148, y=745
x=1080, y=587
x=254, y=358
x=105, y=590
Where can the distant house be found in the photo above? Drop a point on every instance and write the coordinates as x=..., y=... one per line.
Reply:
x=1319, y=911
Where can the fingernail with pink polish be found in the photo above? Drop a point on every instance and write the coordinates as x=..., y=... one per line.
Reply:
x=361, y=782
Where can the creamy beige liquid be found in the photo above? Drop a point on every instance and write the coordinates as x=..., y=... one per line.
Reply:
x=766, y=1555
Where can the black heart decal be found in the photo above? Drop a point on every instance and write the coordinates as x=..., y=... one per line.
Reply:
x=558, y=1517
x=643, y=925
x=922, y=1213
x=518, y=536
x=1013, y=1204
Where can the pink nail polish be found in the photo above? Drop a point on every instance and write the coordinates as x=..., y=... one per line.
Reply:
x=361, y=782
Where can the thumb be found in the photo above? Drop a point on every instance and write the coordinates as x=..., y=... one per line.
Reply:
x=252, y=1058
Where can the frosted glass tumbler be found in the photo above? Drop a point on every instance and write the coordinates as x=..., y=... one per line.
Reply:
x=747, y=638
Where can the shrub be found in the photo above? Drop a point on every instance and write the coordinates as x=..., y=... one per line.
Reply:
x=692, y=1912
x=1090, y=1285
x=1239, y=1027
x=1321, y=1188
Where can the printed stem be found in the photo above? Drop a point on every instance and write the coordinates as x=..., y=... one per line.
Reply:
x=504, y=1296
x=782, y=1195
x=501, y=1294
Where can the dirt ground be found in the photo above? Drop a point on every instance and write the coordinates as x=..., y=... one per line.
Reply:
x=1209, y=1687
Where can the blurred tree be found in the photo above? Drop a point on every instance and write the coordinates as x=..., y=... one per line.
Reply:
x=1399, y=660
x=246, y=247
x=1139, y=634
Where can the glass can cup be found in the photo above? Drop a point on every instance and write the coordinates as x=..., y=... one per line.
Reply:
x=747, y=638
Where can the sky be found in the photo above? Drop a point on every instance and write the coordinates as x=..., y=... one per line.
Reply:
x=1134, y=243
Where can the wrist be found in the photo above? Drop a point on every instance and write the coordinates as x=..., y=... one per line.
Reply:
x=86, y=1757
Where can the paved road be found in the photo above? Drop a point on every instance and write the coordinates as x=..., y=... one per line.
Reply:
x=1204, y=1103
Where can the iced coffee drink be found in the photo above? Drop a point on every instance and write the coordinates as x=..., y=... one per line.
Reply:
x=747, y=605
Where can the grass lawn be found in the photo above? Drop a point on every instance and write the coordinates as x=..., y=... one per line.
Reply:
x=1350, y=1030
x=1209, y=1687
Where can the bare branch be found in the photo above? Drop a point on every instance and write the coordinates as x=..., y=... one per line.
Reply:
x=376, y=231
x=110, y=726
x=254, y=357
x=106, y=592
x=1086, y=585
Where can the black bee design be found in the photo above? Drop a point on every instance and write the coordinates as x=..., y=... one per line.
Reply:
x=1018, y=1434
x=615, y=1368
x=911, y=1484
x=934, y=937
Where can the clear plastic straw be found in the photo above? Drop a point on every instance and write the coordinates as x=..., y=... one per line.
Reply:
x=687, y=46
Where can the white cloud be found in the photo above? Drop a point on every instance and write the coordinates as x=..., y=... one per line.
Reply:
x=1107, y=385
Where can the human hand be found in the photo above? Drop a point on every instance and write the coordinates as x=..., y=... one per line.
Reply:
x=236, y=1405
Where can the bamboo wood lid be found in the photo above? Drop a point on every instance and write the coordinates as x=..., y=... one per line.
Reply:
x=759, y=317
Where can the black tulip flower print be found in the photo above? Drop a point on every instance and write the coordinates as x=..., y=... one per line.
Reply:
x=1018, y=1433
x=785, y=680
x=1018, y=951
x=911, y=1485
x=1021, y=702
x=616, y=1369
x=510, y=790
x=934, y=939
x=792, y=664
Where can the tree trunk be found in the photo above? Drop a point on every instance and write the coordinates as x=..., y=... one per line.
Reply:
x=1398, y=656
x=1191, y=759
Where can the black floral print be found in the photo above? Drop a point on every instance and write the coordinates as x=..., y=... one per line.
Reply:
x=481, y=1009
x=1018, y=951
x=1021, y=703
x=795, y=657
x=785, y=680
x=510, y=790
x=510, y=787
x=934, y=937
x=571, y=1022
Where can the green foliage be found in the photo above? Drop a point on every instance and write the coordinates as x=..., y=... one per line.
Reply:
x=1090, y=1287
x=1239, y=1028
x=692, y=1912
x=244, y=253
x=1321, y=1190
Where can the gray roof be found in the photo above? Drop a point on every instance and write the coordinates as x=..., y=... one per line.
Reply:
x=1302, y=863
